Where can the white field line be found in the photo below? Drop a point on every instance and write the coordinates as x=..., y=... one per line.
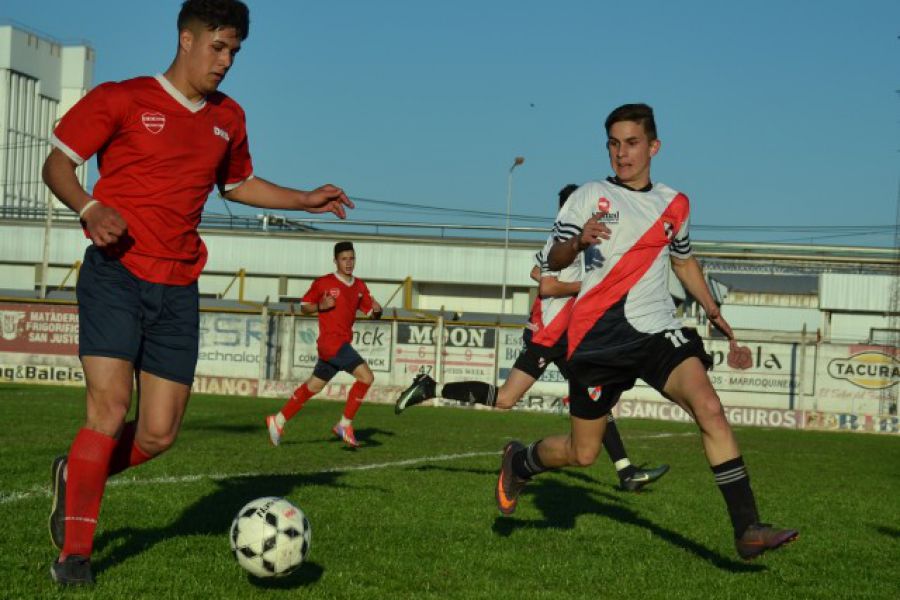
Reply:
x=44, y=491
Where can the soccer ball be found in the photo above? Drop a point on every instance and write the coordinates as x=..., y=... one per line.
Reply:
x=270, y=537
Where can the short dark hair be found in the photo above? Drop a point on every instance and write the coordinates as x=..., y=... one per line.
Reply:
x=566, y=192
x=215, y=14
x=343, y=247
x=638, y=113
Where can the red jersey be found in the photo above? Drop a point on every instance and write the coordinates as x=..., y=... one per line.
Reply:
x=159, y=156
x=336, y=324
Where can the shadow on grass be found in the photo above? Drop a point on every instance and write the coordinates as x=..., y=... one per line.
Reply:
x=888, y=531
x=561, y=505
x=366, y=437
x=306, y=574
x=211, y=515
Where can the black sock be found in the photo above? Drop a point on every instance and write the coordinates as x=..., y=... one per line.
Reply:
x=470, y=392
x=614, y=446
x=526, y=463
x=734, y=483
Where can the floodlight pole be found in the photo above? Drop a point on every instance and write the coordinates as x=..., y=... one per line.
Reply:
x=518, y=161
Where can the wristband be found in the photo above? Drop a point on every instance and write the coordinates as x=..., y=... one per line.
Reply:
x=87, y=207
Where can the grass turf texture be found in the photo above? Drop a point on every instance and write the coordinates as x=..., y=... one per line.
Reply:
x=428, y=528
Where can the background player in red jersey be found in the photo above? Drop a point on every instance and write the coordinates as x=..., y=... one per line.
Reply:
x=629, y=232
x=336, y=298
x=162, y=143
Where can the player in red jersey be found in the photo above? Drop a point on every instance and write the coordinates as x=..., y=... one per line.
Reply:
x=336, y=298
x=628, y=232
x=162, y=144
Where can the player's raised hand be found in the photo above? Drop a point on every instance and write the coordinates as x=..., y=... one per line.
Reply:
x=328, y=198
x=327, y=302
x=104, y=224
x=594, y=231
x=721, y=324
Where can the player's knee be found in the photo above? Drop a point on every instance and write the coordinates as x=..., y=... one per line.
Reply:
x=584, y=455
x=106, y=413
x=709, y=412
x=315, y=386
x=366, y=378
x=505, y=401
x=155, y=444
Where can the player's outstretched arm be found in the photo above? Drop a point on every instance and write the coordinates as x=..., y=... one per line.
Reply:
x=691, y=277
x=552, y=287
x=103, y=223
x=265, y=194
x=377, y=310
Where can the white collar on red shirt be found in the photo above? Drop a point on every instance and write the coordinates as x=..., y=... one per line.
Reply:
x=178, y=96
x=341, y=279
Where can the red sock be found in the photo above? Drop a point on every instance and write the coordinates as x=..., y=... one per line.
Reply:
x=127, y=453
x=355, y=398
x=298, y=399
x=87, y=468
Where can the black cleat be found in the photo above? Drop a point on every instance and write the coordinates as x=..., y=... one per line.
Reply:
x=761, y=537
x=57, y=519
x=642, y=477
x=422, y=389
x=509, y=486
x=74, y=570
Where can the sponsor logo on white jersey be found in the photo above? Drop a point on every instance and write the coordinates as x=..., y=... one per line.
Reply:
x=153, y=121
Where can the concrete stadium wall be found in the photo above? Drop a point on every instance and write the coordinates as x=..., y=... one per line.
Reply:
x=794, y=385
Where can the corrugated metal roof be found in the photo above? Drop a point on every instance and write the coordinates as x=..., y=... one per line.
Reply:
x=840, y=291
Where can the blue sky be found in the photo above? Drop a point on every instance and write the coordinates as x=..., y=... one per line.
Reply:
x=771, y=113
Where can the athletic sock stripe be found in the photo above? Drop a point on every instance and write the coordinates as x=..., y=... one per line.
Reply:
x=529, y=458
x=81, y=519
x=731, y=479
x=730, y=472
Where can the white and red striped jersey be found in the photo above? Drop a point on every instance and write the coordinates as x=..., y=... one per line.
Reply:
x=549, y=317
x=624, y=293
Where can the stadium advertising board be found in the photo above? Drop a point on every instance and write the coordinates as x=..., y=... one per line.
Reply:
x=39, y=329
x=737, y=416
x=776, y=368
x=469, y=351
x=548, y=390
x=229, y=345
x=49, y=374
x=226, y=386
x=372, y=339
x=857, y=379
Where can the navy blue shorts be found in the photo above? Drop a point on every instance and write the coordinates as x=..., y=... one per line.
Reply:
x=535, y=358
x=346, y=359
x=154, y=326
x=652, y=358
x=583, y=403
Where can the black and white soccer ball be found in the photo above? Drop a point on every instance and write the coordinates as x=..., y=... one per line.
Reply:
x=270, y=537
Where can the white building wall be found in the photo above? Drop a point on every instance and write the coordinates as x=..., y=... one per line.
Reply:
x=40, y=80
x=775, y=318
x=839, y=291
x=856, y=328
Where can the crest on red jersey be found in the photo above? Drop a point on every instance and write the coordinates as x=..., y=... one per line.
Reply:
x=603, y=204
x=154, y=122
x=334, y=292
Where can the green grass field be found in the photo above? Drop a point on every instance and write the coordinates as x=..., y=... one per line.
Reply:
x=411, y=513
